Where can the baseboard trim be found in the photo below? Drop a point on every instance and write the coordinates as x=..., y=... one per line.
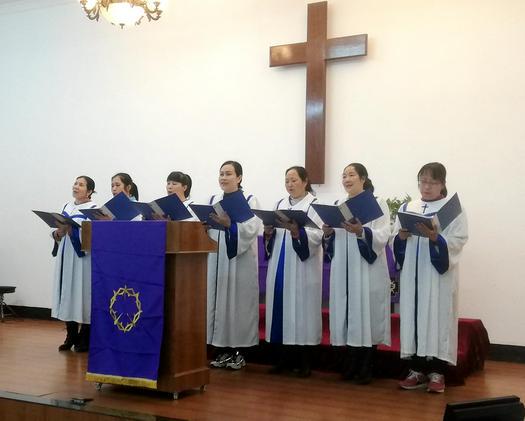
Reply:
x=508, y=353
x=31, y=312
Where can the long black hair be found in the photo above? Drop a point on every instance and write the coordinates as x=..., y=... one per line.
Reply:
x=361, y=171
x=128, y=182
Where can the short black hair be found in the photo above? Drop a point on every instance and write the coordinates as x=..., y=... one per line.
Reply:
x=180, y=177
x=437, y=171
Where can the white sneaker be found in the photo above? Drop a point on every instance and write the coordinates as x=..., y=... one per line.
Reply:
x=236, y=362
x=221, y=361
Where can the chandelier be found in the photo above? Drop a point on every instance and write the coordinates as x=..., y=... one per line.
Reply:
x=123, y=13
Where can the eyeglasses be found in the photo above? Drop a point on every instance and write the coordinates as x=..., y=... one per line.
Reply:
x=428, y=183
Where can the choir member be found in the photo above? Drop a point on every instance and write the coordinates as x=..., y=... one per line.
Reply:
x=429, y=285
x=294, y=278
x=359, y=281
x=72, y=284
x=122, y=182
x=233, y=286
x=180, y=184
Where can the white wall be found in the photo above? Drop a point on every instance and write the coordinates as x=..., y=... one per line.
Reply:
x=443, y=81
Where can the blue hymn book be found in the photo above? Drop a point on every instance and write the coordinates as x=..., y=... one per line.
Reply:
x=449, y=211
x=276, y=217
x=168, y=206
x=119, y=208
x=364, y=207
x=442, y=218
x=203, y=213
x=51, y=219
x=235, y=205
x=408, y=221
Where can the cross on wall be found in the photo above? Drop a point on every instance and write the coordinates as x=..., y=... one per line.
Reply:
x=314, y=53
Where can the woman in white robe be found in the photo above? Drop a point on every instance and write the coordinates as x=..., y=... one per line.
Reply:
x=294, y=277
x=180, y=184
x=429, y=285
x=123, y=183
x=233, y=284
x=359, y=282
x=72, y=281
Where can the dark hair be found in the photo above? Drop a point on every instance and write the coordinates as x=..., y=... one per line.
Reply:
x=237, y=168
x=303, y=175
x=361, y=171
x=90, y=184
x=180, y=177
x=134, y=191
x=127, y=181
x=437, y=171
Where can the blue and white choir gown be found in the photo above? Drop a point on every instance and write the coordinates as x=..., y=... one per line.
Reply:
x=360, y=284
x=72, y=282
x=294, y=282
x=187, y=202
x=429, y=286
x=233, y=283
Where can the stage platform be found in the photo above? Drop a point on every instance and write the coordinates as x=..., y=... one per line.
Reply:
x=473, y=349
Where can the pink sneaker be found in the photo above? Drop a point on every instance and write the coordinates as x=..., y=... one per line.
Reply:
x=414, y=380
x=436, y=383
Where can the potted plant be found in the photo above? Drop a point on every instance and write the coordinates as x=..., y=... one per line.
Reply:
x=394, y=205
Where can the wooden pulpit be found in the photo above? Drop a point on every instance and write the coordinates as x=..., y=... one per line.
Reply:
x=183, y=361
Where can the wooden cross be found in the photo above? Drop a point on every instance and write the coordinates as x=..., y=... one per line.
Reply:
x=314, y=54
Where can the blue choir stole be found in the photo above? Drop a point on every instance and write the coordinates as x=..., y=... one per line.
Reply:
x=127, y=309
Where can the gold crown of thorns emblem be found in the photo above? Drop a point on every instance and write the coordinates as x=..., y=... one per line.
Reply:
x=134, y=318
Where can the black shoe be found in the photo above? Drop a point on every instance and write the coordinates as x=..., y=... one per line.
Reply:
x=364, y=377
x=304, y=372
x=71, y=336
x=276, y=369
x=305, y=358
x=66, y=346
x=365, y=374
x=282, y=356
x=280, y=367
x=81, y=348
x=83, y=339
x=350, y=367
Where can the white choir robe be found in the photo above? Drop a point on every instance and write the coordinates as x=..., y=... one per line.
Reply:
x=233, y=285
x=72, y=281
x=360, y=291
x=428, y=298
x=187, y=203
x=296, y=318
